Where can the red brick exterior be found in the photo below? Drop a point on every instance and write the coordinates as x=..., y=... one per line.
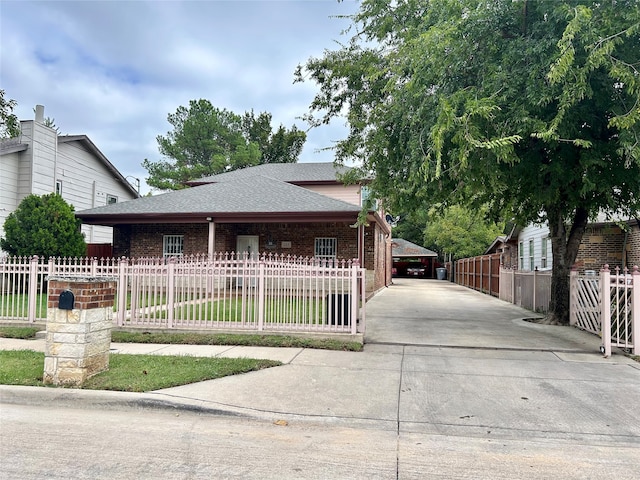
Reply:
x=633, y=247
x=146, y=240
x=601, y=244
x=87, y=295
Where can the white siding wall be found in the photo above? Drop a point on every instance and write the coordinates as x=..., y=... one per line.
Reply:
x=86, y=183
x=25, y=162
x=44, y=147
x=534, y=233
x=8, y=186
x=346, y=193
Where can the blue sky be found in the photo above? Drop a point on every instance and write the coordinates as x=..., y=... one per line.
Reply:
x=114, y=70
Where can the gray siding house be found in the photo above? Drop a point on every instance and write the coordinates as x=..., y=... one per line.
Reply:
x=40, y=162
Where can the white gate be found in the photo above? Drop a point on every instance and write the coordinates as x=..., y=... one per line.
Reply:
x=609, y=306
x=585, y=302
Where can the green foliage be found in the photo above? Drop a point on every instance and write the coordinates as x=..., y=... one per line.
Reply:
x=45, y=226
x=460, y=232
x=410, y=227
x=207, y=141
x=281, y=146
x=529, y=107
x=9, y=123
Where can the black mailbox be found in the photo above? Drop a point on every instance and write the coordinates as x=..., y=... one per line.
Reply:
x=66, y=300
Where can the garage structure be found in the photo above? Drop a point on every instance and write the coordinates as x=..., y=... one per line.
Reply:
x=410, y=259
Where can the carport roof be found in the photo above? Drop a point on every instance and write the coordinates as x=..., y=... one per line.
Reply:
x=404, y=248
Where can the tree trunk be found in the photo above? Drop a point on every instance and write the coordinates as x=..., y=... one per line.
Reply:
x=565, y=247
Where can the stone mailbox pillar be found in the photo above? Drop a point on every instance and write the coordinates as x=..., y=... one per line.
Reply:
x=79, y=322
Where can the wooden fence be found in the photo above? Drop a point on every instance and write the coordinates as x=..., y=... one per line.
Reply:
x=480, y=273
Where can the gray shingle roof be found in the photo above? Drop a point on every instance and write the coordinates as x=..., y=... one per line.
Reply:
x=404, y=248
x=252, y=194
x=286, y=172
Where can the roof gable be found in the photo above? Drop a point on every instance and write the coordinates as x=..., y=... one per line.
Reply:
x=254, y=195
x=296, y=173
x=405, y=248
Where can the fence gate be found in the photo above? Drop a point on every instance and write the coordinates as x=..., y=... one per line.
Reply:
x=620, y=299
x=609, y=306
x=585, y=302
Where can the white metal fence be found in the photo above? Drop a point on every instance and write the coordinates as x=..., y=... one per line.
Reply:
x=530, y=290
x=608, y=305
x=225, y=291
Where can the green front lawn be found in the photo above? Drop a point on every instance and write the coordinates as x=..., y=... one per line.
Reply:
x=132, y=373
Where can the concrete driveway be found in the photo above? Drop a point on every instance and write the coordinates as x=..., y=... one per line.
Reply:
x=440, y=313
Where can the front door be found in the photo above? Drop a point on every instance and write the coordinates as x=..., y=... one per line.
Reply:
x=249, y=244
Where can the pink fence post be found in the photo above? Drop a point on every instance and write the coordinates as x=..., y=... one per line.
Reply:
x=573, y=286
x=261, y=294
x=171, y=273
x=33, y=289
x=354, y=298
x=123, y=267
x=635, y=310
x=363, y=296
x=605, y=309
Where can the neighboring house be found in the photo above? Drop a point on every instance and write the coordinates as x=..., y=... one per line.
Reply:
x=40, y=162
x=604, y=242
x=297, y=209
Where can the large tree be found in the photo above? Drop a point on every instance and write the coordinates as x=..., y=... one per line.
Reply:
x=9, y=124
x=206, y=140
x=459, y=232
x=45, y=226
x=531, y=107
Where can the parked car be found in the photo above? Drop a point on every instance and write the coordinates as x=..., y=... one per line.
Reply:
x=416, y=270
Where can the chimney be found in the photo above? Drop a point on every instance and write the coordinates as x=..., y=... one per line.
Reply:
x=40, y=113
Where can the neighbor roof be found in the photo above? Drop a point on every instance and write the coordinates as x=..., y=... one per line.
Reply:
x=297, y=173
x=404, y=248
x=254, y=198
x=14, y=145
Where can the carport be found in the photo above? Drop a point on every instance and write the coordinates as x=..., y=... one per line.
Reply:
x=405, y=252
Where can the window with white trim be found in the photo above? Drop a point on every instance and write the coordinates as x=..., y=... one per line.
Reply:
x=325, y=247
x=172, y=245
x=544, y=252
x=111, y=199
x=531, y=262
x=521, y=255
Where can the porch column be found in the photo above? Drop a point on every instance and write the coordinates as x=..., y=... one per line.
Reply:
x=212, y=237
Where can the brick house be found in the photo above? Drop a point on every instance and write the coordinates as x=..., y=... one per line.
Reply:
x=300, y=209
x=604, y=242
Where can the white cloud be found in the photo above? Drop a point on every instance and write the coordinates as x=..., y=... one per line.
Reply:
x=115, y=70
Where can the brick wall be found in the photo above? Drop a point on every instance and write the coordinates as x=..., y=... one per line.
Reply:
x=601, y=245
x=146, y=240
x=633, y=247
x=290, y=239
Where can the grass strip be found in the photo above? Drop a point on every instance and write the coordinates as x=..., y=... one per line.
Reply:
x=22, y=333
x=132, y=373
x=235, y=339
